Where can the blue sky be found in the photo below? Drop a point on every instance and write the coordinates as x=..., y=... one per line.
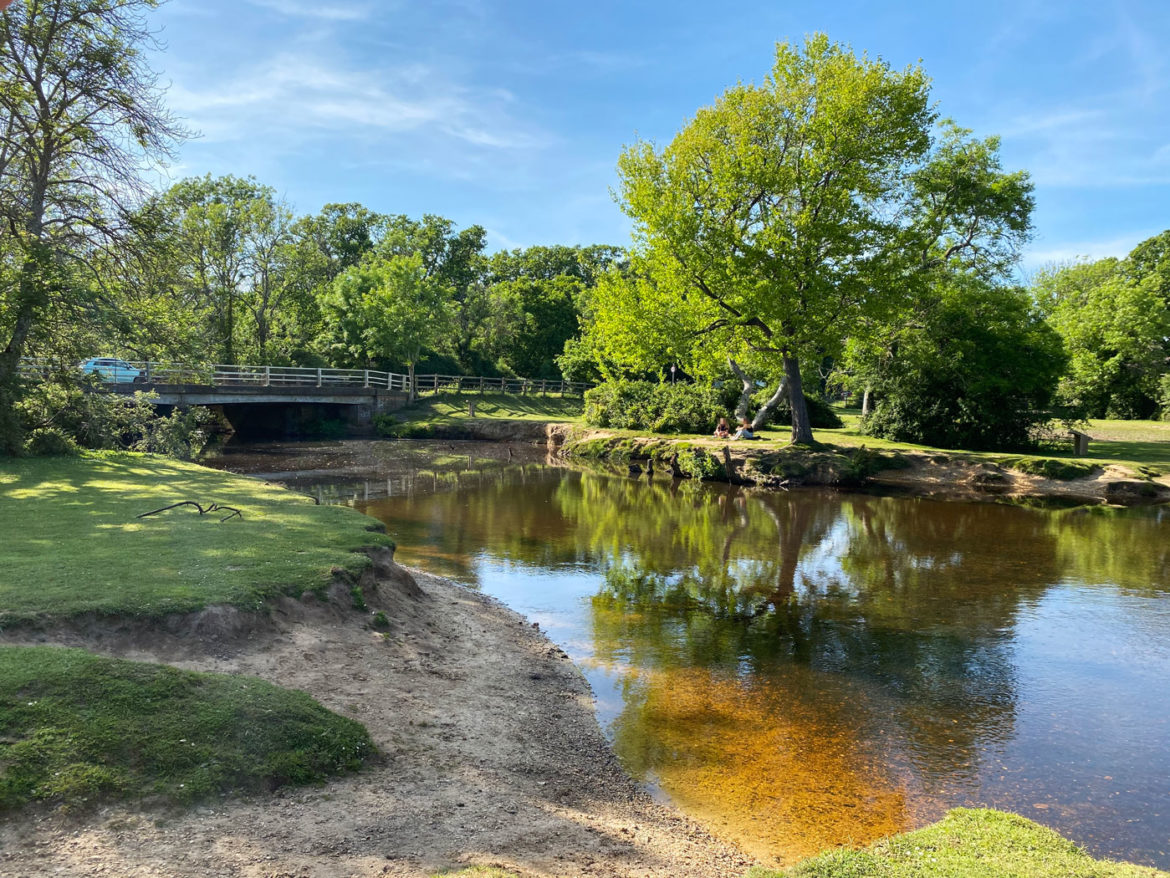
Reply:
x=512, y=114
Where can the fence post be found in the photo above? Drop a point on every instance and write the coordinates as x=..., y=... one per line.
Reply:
x=367, y=378
x=435, y=383
x=267, y=376
x=318, y=377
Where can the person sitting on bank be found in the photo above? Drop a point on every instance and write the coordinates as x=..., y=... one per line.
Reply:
x=745, y=430
x=722, y=429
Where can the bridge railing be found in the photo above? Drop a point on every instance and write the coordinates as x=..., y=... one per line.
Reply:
x=433, y=384
x=225, y=375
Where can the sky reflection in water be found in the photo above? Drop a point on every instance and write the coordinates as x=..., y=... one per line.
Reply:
x=811, y=669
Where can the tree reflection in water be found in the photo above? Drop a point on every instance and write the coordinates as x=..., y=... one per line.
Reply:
x=812, y=669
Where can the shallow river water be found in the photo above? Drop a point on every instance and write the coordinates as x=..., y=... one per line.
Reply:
x=809, y=669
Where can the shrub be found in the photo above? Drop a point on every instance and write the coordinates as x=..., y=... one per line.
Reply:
x=661, y=408
x=1164, y=388
x=50, y=442
x=109, y=421
x=980, y=372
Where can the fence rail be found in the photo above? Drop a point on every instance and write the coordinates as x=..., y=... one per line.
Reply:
x=221, y=375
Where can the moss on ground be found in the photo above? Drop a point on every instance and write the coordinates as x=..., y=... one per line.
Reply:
x=967, y=843
x=77, y=729
x=1051, y=468
x=73, y=544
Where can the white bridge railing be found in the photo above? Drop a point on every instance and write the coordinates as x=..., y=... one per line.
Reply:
x=130, y=372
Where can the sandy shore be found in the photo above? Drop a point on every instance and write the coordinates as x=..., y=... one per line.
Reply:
x=492, y=756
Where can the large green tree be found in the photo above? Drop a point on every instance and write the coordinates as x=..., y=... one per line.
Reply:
x=386, y=311
x=1114, y=317
x=80, y=117
x=976, y=367
x=793, y=213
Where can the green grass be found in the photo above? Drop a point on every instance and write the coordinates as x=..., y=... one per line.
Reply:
x=966, y=844
x=453, y=407
x=77, y=729
x=71, y=543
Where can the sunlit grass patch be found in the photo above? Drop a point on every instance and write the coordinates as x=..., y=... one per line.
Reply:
x=72, y=543
x=967, y=843
x=77, y=729
x=445, y=407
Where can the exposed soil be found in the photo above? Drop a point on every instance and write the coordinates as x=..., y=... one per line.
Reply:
x=492, y=756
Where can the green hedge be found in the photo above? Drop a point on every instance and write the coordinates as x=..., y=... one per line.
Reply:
x=684, y=408
x=659, y=408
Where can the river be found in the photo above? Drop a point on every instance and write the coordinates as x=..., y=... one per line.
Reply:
x=810, y=669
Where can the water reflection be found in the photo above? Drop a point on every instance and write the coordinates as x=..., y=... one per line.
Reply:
x=809, y=669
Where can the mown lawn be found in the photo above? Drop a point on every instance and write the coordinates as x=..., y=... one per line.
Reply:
x=71, y=542
x=447, y=408
x=966, y=843
x=77, y=729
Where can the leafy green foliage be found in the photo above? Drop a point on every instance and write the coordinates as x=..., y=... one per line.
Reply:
x=660, y=408
x=177, y=561
x=786, y=215
x=979, y=371
x=109, y=421
x=1114, y=318
x=385, y=311
x=82, y=118
x=50, y=442
x=76, y=729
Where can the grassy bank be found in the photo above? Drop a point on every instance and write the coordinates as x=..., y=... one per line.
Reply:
x=1138, y=445
x=77, y=728
x=966, y=844
x=448, y=413
x=72, y=543
x=846, y=457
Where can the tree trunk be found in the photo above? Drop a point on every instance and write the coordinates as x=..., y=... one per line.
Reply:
x=745, y=398
x=410, y=374
x=32, y=299
x=801, y=426
x=767, y=408
x=865, y=402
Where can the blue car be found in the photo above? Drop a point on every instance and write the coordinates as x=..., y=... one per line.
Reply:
x=111, y=370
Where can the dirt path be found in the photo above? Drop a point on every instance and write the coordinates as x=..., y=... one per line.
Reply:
x=493, y=756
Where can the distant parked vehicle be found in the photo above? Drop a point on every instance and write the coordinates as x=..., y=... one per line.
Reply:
x=111, y=370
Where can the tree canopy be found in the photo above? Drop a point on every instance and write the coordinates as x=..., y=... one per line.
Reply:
x=81, y=115
x=782, y=217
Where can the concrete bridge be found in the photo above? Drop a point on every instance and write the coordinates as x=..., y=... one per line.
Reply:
x=284, y=400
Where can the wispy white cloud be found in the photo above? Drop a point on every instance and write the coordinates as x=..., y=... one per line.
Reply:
x=289, y=98
x=309, y=9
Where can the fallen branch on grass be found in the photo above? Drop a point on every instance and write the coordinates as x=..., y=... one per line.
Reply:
x=214, y=507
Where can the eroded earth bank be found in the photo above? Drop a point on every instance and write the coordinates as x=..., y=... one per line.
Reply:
x=491, y=755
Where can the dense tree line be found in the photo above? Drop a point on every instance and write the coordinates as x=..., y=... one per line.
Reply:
x=821, y=232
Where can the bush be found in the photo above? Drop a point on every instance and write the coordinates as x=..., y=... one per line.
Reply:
x=112, y=422
x=1164, y=389
x=660, y=408
x=50, y=442
x=980, y=373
